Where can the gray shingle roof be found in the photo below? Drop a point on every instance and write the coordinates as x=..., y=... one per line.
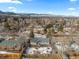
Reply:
x=40, y=40
x=11, y=43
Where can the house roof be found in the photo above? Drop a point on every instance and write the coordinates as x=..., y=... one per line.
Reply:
x=8, y=43
x=11, y=43
x=40, y=40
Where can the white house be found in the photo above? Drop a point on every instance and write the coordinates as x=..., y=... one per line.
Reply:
x=74, y=46
x=61, y=47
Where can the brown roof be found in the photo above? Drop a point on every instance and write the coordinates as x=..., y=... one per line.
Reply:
x=54, y=56
x=6, y=57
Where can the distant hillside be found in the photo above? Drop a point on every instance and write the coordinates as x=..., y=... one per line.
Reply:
x=33, y=14
x=23, y=14
x=1, y=12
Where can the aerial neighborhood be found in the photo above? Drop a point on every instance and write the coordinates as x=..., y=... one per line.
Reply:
x=39, y=36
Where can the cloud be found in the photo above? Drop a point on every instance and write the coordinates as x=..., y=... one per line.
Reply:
x=29, y=0
x=11, y=1
x=73, y=0
x=71, y=9
x=50, y=12
x=12, y=9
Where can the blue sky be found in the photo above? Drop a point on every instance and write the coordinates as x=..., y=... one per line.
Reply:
x=57, y=7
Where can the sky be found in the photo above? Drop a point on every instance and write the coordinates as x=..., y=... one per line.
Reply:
x=55, y=7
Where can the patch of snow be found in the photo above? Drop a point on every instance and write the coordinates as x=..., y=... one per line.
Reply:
x=30, y=50
x=4, y=52
x=41, y=50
